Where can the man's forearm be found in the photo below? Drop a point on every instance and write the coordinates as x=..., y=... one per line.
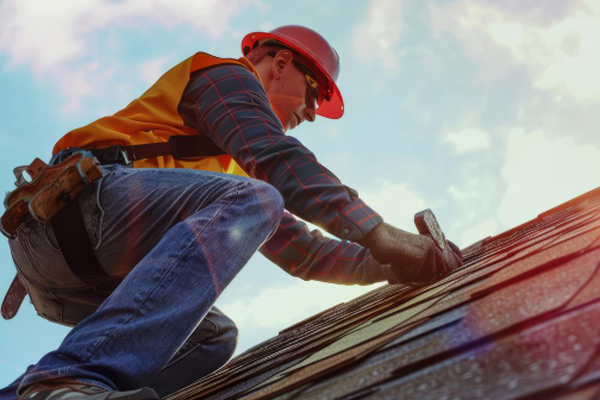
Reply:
x=311, y=256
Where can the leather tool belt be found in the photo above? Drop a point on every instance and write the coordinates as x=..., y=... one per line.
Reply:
x=50, y=189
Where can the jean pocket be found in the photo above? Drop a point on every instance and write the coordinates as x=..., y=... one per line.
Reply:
x=64, y=308
x=35, y=234
x=46, y=304
x=38, y=259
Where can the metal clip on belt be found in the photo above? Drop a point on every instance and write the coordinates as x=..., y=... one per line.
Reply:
x=112, y=155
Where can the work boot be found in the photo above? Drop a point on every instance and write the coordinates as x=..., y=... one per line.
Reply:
x=62, y=390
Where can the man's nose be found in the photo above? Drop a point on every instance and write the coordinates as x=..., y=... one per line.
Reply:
x=310, y=114
x=310, y=111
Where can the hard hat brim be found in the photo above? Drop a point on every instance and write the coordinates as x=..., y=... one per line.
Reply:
x=334, y=108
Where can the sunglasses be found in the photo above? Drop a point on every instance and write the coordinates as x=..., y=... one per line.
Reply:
x=314, y=90
x=313, y=86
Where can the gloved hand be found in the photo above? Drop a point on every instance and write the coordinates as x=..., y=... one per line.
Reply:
x=451, y=255
x=413, y=259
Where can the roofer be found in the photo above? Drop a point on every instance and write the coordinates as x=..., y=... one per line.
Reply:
x=137, y=260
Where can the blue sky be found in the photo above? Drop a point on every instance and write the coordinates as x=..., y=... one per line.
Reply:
x=484, y=111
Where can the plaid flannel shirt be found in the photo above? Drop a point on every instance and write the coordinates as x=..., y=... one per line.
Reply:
x=229, y=104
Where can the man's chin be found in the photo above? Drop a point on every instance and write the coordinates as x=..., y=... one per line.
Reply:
x=292, y=123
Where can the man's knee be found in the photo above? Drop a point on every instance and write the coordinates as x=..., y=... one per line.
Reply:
x=269, y=200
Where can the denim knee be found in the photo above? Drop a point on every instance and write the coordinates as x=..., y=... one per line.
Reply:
x=272, y=204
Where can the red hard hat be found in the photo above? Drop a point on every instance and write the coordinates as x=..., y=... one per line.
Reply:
x=315, y=49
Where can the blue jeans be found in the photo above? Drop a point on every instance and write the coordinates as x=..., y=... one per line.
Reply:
x=176, y=238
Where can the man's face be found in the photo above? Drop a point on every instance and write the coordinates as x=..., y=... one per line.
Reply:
x=291, y=94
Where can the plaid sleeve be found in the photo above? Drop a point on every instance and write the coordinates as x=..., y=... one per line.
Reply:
x=229, y=104
x=311, y=256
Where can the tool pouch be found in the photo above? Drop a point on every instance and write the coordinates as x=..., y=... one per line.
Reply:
x=50, y=188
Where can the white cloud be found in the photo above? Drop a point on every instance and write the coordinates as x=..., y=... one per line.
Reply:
x=543, y=172
x=474, y=194
x=467, y=21
x=41, y=33
x=466, y=139
x=267, y=26
x=562, y=56
x=60, y=40
x=378, y=35
x=278, y=308
x=76, y=85
x=151, y=70
x=396, y=203
x=46, y=34
x=475, y=202
x=480, y=231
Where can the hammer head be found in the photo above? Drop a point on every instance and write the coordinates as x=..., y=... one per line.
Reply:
x=428, y=225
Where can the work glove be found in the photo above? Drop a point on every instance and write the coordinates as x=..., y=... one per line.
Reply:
x=410, y=259
x=442, y=262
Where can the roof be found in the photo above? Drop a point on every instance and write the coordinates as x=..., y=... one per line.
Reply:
x=520, y=319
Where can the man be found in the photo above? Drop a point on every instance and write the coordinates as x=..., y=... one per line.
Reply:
x=171, y=233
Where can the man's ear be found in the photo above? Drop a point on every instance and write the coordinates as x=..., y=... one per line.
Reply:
x=282, y=59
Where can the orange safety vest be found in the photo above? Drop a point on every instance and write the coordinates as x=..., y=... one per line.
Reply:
x=153, y=118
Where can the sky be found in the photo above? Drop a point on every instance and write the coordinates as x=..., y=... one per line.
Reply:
x=484, y=111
